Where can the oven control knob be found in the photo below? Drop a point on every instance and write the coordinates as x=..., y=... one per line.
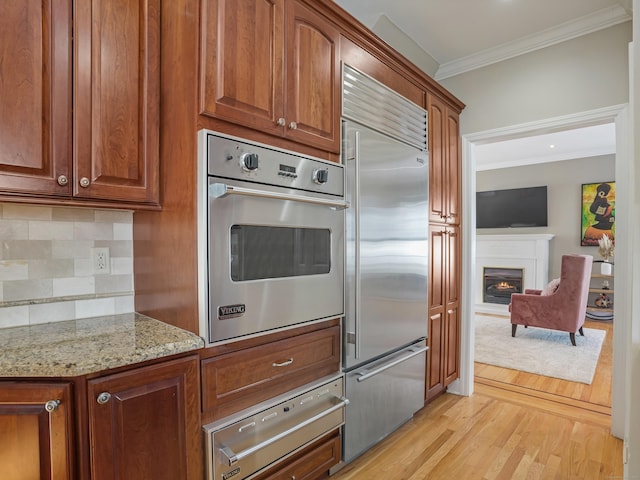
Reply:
x=249, y=161
x=321, y=175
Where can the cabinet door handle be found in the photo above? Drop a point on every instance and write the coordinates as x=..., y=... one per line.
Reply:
x=293, y=125
x=84, y=182
x=281, y=122
x=52, y=405
x=282, y=364
x=63, y=180
x=103, y=398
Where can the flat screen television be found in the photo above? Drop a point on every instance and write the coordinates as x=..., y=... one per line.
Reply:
x=516, y=207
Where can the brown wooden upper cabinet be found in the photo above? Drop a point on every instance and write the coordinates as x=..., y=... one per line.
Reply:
x=273, y=66
x=445, y=162
x=79, y=100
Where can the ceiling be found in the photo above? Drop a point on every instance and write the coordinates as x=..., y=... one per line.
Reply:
x=481, y=32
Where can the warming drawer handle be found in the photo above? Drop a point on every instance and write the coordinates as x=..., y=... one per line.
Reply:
x=220, y=190
x=364, y=376
x=233, y=458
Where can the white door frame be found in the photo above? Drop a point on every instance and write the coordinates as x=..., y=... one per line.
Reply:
x=617, y=114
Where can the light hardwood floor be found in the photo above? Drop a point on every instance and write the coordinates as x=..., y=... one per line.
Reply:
x=515, y=426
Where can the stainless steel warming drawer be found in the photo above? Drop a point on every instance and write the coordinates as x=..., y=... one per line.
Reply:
x=247, y=443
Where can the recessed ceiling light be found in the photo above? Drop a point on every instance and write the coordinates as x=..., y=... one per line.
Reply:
x=552, y=146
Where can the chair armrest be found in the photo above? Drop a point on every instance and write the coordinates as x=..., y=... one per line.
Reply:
x=532, y=291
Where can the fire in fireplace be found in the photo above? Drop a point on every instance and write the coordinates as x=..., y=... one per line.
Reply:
x=500, y=283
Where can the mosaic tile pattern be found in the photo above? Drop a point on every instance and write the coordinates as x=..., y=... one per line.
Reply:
x=46, y=269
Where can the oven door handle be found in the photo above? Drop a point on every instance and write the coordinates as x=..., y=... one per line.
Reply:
x=233, y=458
x=220, y=190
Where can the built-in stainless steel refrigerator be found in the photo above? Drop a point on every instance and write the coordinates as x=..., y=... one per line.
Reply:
x=387, y=232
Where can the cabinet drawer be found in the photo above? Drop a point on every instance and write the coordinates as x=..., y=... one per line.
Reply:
x=312, y=463
x=237, y=380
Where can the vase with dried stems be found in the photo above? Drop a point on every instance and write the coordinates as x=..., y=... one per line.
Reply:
x=605, y=249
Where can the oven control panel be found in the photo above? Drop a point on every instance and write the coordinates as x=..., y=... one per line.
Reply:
x=233, y=158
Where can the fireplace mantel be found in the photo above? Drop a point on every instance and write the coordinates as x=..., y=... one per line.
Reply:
x=527, y=251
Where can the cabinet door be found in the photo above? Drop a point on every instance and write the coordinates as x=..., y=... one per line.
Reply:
x=117, y=100
x=443, y=357
x=454, y=168
x=311, y=463
x=452, y=303
x=437, y=317
x=35, y=443
x=242, y=62
x=437, y=160
x=35, y=96
x=435, y=354
x=312, y=81
x=445, y=163
x=145, y=423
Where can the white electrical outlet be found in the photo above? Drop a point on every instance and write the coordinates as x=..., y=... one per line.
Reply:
x=101, y=261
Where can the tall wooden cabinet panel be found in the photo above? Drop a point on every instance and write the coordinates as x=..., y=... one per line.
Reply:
x=445, y=277
x=445, y=168
x=79, y=100
x=453, y=301
x=256, y=70
x=443, y=356
x=145, y=423
x=35, y=96
x=36, y=431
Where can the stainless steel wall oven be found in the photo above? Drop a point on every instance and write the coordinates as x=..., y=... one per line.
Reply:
x=272, y=251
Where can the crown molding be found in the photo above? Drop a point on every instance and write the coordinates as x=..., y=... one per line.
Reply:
x=576, y=154
x=607, y=17
x=541, y=127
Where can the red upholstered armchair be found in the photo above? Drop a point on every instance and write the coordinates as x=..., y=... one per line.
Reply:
x=563, y=309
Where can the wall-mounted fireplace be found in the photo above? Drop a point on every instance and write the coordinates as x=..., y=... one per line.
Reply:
x=500, y=283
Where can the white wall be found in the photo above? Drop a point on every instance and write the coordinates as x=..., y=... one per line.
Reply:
x=564, y=182
x=632, y=434
x=579, y=75
x=391, y=34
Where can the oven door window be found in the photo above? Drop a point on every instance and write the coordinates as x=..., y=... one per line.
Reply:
x=261, y=252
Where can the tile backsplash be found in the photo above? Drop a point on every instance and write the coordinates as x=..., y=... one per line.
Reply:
x=46, y=265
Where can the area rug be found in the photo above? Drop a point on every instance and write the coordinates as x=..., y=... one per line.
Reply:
x=537, y=350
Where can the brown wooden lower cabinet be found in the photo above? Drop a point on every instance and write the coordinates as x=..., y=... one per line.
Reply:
x=311, y=463
x=36, y=431
x=141, y=423
x=145, y=423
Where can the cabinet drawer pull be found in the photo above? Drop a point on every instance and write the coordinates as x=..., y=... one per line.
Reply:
x=63, y=180
x=84, y=182
x=283, y=364
x=52, y=405
x=103, y=398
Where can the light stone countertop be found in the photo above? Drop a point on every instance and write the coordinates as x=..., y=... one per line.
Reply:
x=80, y=347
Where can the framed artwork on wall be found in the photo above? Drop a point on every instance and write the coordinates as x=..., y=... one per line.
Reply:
x=598, y=212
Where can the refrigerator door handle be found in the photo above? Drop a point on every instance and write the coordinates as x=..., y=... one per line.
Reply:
x=412, y=353
x=356, y=201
